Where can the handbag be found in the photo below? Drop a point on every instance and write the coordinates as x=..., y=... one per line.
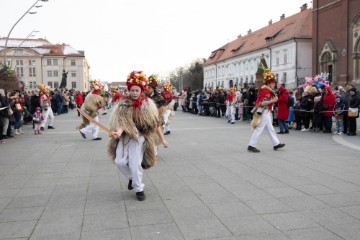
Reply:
x=18, y=107
x=10, y=111
x=353, y=112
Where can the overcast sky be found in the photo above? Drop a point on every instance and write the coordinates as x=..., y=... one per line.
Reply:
x=155, y=36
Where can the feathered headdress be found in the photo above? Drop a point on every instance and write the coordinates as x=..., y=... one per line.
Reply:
x=167, y=86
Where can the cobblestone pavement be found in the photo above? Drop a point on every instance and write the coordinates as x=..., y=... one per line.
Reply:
x=59, y=186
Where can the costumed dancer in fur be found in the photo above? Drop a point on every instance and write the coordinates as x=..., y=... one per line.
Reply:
x=169, y=106
x=231, y=101
x=45, y=104
x=93, y=102
x=135, y=122
x=154, y=95
x=262, y=112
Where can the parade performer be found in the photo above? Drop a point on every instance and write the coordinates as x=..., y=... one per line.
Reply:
x=169, y=106
x=231, y=101
x=154, y=95
x=262, y=112
x=45, y=104
x=134, y=122
x=93, y=102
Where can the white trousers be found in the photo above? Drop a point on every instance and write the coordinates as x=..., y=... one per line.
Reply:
x=230, y=113
x=128, y=160
x=48, y=115
x=266, y=122
x=166, y=119
x=91, y=128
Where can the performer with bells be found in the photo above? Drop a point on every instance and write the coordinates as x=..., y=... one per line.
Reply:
x=93, y=102
x=134, y=123
x=169, y=106
x=262, y=112
x=45, y=104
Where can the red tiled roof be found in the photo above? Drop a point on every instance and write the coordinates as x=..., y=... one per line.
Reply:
x=296, y=26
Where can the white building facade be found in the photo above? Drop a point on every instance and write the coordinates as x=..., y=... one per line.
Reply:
x=287, y=54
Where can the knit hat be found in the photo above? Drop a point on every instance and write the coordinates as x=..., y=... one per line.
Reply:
x=153, y=81
x=137, y=78
x=268, y=75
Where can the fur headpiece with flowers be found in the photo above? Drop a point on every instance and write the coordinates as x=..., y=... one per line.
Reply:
x=167, y=87
x=96, y=87
x=268, y=75
x=153, y=81
x=137, y=78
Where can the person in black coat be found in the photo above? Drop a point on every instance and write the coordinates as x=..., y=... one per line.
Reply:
x=353, y=103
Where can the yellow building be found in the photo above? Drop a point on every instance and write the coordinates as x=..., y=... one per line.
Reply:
x=38, y=61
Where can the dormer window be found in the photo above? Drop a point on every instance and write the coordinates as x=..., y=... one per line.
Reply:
x=272, y=37
x=238, y=48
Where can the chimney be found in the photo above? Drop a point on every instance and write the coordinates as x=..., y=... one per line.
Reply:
x=270, y=22
x=282, y=17
x=239, y=36
x=249, y=31
x=303, y=7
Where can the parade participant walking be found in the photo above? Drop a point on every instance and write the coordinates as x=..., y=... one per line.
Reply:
x=134, y=122
x=169, y=106
x=45, y=104
x=263, y=119
x=93, y=102
x=79, y=101
x=230, y=101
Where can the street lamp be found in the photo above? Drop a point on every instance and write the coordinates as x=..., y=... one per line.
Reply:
x=27, y=12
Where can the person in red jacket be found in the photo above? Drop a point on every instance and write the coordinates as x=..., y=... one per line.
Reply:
x=328, y=101
x=265, y=101
x=79, y=101
x=283, y=109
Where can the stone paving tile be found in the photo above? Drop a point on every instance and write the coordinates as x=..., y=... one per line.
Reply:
x=248, y=225
x=58, y=225
x=353, y=211
x=317, y=233
x=257, y=236
x=303, y=203
x=330, y=216
x=280, y=192
x=340, y=199
x=266, y=206
x=21, y=214
x=19, y=229
x=315, y=189
x=213, y=193
x=105, y=221
x=107, y=234
x=289, y=221
x=156, y=232
x=57, y=236
x=96, y=207
x=148, y=217
x=230, y=209
x=28, y=201
x=4, y=201
x=198, y=223
x=14, y=181
x=348, y=231
x=181, y=200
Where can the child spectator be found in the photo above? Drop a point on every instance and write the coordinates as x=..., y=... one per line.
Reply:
x=37, y=118
x=339, y=115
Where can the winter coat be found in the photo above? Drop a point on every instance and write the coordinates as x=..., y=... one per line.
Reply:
x=328, y=101
x=283, y=109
